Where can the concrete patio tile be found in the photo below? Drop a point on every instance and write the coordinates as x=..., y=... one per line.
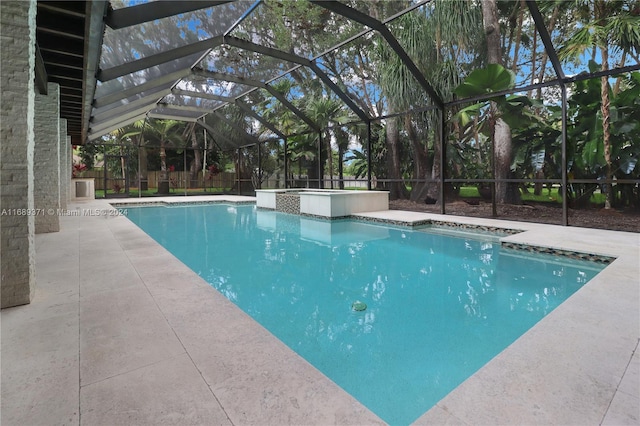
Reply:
x=549, y=376
x=120, y=331
x=40, y=389
x=621, y=411
x=109, y=276
x=150, y=252
x=167, y=392
x=40, y=364
x=163, y=274
x=439, y=416
x=631, y=381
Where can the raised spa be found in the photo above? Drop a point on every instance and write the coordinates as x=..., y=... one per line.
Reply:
x=329, y=203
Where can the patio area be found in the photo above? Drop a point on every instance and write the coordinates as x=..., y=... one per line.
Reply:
x=121, y=332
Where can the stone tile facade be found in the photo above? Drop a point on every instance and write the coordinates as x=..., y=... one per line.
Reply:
x=288, y=203
x=17, y=223
x=47, y=160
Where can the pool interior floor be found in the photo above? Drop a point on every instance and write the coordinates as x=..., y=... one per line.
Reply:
x=121, y=332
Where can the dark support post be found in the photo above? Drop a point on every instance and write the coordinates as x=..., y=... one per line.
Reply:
x=104, y=168
x=494, y=208
x=238, y=173
x=320, y=169
x=443, y=158
x=286, y=165
x=184, y=169
x=565, y=186
x=138, y=156
x=259, y=166
x=369, y=155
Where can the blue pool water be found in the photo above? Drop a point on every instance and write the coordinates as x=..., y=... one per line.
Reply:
x=438, y=307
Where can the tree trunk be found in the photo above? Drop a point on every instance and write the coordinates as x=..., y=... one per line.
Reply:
x=163, y=185
x=605, y=107
x=397, y=189
x=502, y=156
x=142, y=156
x=340, y=168
x=327, y=146
x=196, y=164
x=419, y=189
x=501, y=133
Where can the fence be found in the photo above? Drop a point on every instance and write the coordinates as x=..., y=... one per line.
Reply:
x=176, y=180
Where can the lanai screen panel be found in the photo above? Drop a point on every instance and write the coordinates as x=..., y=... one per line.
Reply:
x=244, y=122
x=147, y=75
x=353, y=68
x=380, y=10
x=150, y=38
x=244, y=63
x=224, y=123
x=166, y=112
x=148, y=95
x=212, y=86
x=280, y=116
x=444, y=39
x=299, y=27
x=566, y=24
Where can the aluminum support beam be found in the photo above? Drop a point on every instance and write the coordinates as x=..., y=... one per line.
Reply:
x=151, y=84
x=243, y=133
x=135, y=15
x=159, y=58
x=373, y=23
x=289, y=57
x=246, y=108
x=546, y=38
x=217, y=136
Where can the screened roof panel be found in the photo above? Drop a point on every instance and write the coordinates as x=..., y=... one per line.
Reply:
x=212, y=86
x=144, y=103
x=194, y=101
x=244, y=63
x=355, y=73
x=150, y=38
x=301, y=27
x=278, y=114
x=563, y=26
x=156, y=93
x=119, y=4
x=443, y=39
x=144, y=76
x=167, y=111
x=380, y=10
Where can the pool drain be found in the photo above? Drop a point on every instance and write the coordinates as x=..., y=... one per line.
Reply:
x=358, y=306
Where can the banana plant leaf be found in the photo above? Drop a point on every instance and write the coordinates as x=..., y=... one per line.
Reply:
x=493, y=78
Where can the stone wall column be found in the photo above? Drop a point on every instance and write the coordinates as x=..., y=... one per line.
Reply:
x=63, y=183
x=69, y=171
x=47, y=159
x=17, y=225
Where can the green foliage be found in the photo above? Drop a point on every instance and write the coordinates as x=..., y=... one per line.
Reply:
x=493, y=78
x=87, y=153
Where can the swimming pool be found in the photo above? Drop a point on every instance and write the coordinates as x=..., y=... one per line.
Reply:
x=438, y=307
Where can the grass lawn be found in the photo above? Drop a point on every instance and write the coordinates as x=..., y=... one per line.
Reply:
x=544, y=197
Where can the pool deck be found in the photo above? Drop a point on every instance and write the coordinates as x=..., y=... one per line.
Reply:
x=121, y=332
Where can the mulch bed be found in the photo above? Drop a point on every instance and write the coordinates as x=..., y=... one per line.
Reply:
x=597, y=218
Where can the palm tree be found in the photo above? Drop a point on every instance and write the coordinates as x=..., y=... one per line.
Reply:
x=165, y=132
x=324, y=111
x=607, y=26
x=437, y=41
